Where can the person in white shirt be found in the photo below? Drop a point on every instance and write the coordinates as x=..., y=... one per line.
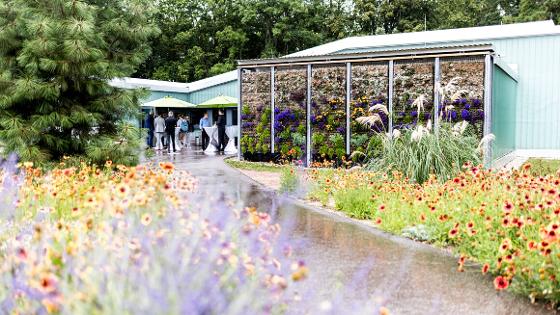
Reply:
x=159, y=129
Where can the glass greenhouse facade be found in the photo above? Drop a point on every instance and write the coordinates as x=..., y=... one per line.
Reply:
x=305, y=108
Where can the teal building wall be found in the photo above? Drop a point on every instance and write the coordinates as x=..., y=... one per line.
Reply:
x=504, y=94
x=199, y=96
x=228, y=89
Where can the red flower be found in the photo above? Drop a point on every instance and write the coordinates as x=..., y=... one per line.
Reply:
x=453, y=232
x=485, y=268
x=501, y=283
x=508, y=207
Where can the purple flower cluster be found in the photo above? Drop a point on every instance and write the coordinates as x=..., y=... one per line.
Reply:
x=469, y=110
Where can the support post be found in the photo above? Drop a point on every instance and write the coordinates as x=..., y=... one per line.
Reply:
x=437, y=95
x=272, y=104
x=348, y=98
x=390, y=94
x=488, y=68
x=239, y=107
x=308, y=115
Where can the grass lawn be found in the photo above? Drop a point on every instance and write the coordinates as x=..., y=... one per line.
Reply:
x=544, y=166
x=255, y=166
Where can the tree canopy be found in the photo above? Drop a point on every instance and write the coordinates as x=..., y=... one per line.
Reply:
x=201, y=38
x=56, y=60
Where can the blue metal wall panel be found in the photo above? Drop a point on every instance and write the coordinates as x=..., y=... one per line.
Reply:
x=227, y=89
x=154, y=95
x=504, y=93
x=538, y=97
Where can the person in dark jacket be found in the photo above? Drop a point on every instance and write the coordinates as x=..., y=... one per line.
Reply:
x=221, y=124
x=170, y=124
x=149, y=124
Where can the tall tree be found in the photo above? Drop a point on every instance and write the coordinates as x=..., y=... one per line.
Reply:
x=56, y=58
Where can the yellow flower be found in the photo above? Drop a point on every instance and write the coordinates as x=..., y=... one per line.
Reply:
x=146, y=219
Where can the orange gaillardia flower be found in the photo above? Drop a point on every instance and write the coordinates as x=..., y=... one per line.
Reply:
x=501, y=283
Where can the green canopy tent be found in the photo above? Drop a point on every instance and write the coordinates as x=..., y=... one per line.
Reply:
x=169, y=103
x=219, y=102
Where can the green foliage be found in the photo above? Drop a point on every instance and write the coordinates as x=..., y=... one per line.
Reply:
x=289, y=180
x=262, y=144
x=56, y=59
x=419, y=154
x=298, y=139
x=201, y=38
x=355, y=202
x=418, y=233
x=543, y=167
x=255, y=166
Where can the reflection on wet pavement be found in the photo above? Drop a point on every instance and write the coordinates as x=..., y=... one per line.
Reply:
x=412, y=278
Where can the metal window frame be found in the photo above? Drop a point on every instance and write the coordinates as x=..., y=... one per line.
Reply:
x=488, y=76
x=272, y=105
x=348, y=98
x=391, y=78
x=239, y=102
x=308, y=118
x=437, y=95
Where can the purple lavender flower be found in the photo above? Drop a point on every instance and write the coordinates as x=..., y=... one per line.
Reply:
x=480, y=114
x=468, y=106
x=341, y=130
x=427, y=116
x=453, y=115
x=466, y=115
x=476, y=102
x=414, y=114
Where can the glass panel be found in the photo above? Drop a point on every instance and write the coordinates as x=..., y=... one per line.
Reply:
x=413, y=93
x=290, y=113
x=370, y=85
x=256, y=114
x=503, y=112
x=328, y=113
x=462, y=82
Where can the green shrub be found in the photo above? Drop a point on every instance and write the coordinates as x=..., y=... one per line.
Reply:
x=289, y=180
x=354, y=202
x=420, y=152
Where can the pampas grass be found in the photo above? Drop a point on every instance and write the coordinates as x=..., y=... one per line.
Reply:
x=419, y=153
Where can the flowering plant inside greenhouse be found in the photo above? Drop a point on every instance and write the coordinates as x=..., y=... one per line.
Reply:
x=328, y=123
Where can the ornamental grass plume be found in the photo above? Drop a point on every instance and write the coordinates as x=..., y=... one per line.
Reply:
x=373, y=116
x=420, y=152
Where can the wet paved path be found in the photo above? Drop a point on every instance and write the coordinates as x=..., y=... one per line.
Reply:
x=412, y=278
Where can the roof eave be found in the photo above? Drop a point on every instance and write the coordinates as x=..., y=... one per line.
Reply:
x=414, y=53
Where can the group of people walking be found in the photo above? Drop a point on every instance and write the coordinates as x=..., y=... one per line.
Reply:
x=162, y=131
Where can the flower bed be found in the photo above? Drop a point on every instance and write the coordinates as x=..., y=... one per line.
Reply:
x=134, y=240
x=507, y=222
x=328, y=113
x=290, y=121
x=256, y=115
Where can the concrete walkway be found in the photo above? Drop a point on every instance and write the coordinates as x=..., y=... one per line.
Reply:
x=411, y=278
